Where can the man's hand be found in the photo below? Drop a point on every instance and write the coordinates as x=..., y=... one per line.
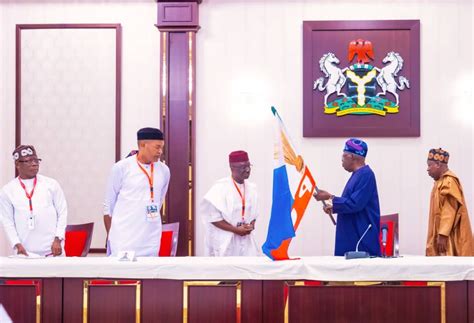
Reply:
x=107, y=224
x=322, y=195
x=56, y=248
x=442, y=244
x=250, y=226
x=243, y=230
x=20, y=250
x=327, y=209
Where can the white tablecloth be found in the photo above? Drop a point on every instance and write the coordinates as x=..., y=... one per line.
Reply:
x=242, y=268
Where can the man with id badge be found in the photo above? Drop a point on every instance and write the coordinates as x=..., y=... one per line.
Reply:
x=34, y=208
x=135, y=192
x=229, y=210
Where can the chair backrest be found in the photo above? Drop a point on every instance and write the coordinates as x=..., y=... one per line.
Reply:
x=78, y=239
x=390, y=222
x=169, y=240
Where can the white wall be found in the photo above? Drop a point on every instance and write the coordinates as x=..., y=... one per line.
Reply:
x=250, y=57
x=67, y=108
x=140, y=70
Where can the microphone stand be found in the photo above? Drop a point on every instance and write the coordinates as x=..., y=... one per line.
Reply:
x=358, y=254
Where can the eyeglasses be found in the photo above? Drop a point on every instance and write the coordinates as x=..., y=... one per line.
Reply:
x=242, y=167
x=31, y=161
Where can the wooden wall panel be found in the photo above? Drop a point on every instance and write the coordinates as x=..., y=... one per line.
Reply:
x=52, y=300
x=112, y=304
x=162, y=301
x=72, y=302
x=260, y=301
x=470, y=301
x=252, y=310
x=212, y=304
x=19, y=302
x=273, y=301
x=364, y=304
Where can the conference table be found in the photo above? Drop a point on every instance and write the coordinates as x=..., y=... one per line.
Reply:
x=238, y=289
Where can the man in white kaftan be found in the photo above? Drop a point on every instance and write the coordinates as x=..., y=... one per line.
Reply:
x=33, y=208
x=230, y=210
x=136, y=189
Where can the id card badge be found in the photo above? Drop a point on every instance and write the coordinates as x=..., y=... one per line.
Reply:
x=31, y=222
x=152, y=213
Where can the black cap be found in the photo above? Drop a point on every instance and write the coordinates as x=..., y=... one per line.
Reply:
x=150, y=134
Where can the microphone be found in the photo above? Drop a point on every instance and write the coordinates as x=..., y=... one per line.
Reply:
x=359, y=254
x=384, y=239
x=384, y=234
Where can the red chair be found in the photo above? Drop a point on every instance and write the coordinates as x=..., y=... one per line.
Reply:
x=392, y=246
x=169, y=240
x=390, y=223
x=78, y=239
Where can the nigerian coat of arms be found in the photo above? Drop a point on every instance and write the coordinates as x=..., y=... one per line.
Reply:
x=361, y=88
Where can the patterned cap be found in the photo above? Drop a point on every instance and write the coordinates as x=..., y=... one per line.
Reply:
x=23, y=151
x=439, y=155
x=356, y=146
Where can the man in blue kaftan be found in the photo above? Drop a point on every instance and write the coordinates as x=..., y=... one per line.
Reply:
x=359, y=204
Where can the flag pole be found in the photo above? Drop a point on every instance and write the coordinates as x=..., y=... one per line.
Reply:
x=325, y=204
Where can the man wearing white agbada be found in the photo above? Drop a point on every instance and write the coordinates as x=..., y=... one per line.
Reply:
x=33, y=207
x=230, y=209
x=135, y=192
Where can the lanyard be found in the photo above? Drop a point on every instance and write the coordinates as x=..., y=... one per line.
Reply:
x=242, y=196
x=150, y=179
x=30, y=195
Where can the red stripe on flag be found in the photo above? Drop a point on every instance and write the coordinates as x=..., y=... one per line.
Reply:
x=303, y=195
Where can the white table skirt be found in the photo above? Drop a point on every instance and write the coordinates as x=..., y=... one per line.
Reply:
x=246, y=268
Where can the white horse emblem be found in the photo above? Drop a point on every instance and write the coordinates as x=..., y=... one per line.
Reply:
x=336, y=80
x=386, y=78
